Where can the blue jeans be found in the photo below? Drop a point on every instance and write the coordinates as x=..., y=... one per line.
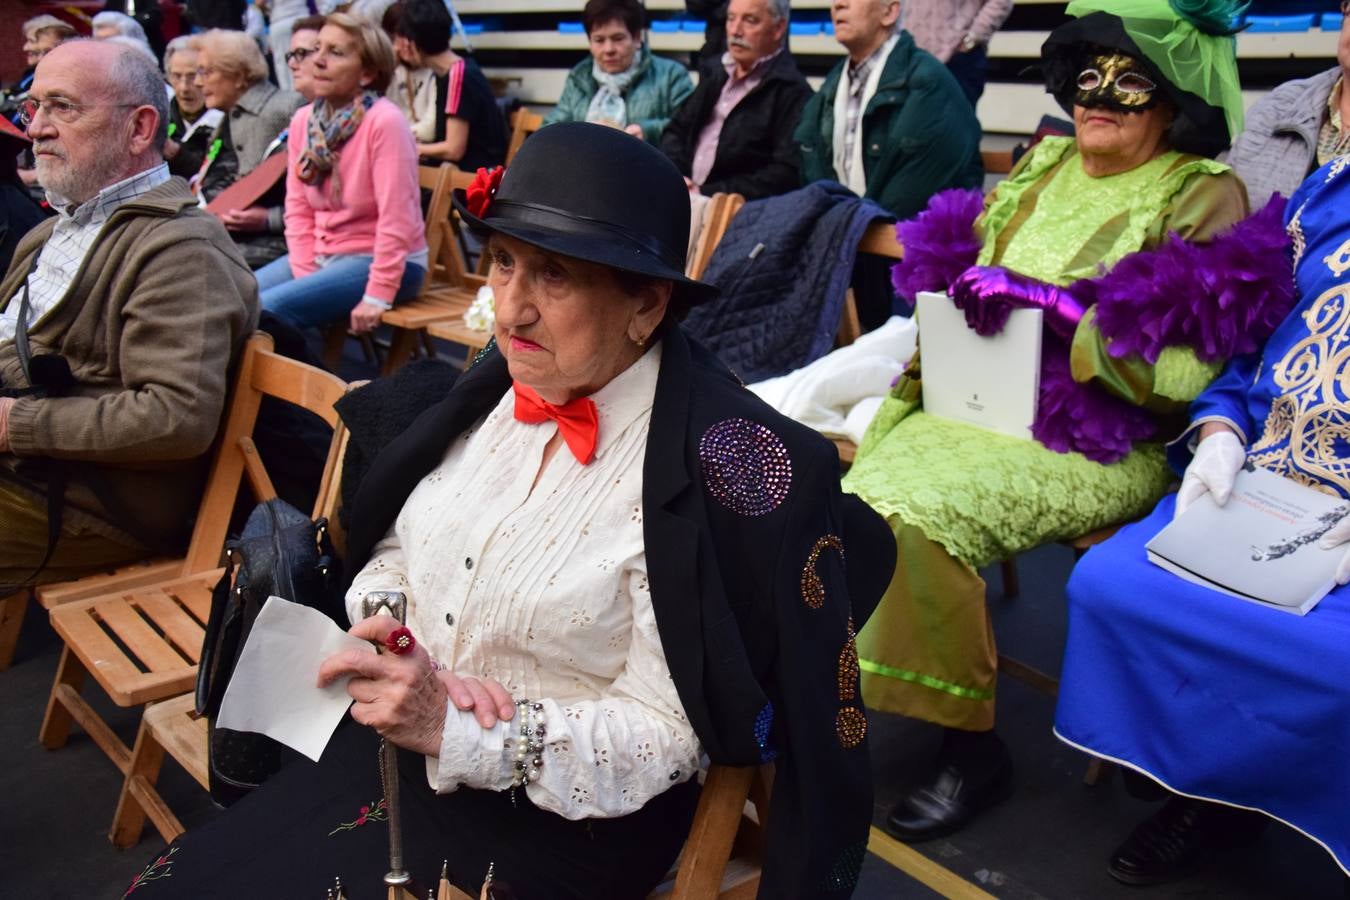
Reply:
x=327, y=295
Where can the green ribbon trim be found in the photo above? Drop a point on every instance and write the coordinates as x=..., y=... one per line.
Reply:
x=927, y=681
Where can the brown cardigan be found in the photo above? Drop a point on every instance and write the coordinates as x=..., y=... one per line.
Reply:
x=150, y=326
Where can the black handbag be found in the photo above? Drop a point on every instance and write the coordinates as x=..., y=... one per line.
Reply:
x=282, y=553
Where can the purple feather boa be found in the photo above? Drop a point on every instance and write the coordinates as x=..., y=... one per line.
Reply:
x=1083, y=418
x=940, y=243
x=1220, y=298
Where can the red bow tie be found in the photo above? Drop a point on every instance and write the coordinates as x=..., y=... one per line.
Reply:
x=578, y=422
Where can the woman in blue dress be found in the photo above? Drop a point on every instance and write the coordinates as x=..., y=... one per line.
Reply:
x=1219, y=700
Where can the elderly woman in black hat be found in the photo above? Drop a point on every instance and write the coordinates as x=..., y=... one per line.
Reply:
x=616, y=561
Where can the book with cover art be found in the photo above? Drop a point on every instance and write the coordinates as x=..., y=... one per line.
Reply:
x=992, y=382
x=1260, y=546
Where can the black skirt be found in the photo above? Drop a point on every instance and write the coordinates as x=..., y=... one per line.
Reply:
x=313, y=823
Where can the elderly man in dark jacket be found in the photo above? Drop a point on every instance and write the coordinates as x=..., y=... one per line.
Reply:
x=890, y=121
x=734, y=133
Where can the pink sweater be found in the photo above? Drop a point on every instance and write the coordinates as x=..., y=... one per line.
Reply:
x=381, y=209
x=939, y=25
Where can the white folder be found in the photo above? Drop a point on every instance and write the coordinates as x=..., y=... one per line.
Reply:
x=991, y=382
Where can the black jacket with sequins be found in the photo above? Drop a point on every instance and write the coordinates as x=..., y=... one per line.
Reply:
x=746, y=534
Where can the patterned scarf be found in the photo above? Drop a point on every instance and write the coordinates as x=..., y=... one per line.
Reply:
x=328, y=130
x=608, y=106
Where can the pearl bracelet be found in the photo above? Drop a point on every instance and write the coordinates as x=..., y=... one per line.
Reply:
x=529, y=742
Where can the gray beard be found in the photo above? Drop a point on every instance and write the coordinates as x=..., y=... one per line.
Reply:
x=71, y=187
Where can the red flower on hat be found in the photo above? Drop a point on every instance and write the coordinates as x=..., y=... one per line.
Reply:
x=482, y=189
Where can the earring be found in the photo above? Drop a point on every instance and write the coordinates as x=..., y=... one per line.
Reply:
x=640, y=341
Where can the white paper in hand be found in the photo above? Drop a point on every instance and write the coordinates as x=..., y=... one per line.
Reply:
x=274, y=689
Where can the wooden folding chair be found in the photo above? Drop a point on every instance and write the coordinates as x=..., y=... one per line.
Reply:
x=141, y=643
x=722, y=208
x=437, y=180
x=450, y=286
x=721, y=856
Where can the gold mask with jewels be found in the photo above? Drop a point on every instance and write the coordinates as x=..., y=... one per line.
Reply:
x=1115, y=81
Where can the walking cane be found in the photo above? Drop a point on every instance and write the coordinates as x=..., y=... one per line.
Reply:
x=397, y=605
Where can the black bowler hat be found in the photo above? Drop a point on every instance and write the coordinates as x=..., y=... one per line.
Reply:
x=595, y=193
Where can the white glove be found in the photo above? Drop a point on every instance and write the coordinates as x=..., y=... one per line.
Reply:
x=1337, y=535
x=1213, y=470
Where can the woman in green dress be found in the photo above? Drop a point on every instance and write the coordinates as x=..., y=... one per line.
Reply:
x=1125, y=236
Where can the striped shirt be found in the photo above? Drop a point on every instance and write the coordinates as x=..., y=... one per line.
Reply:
x=61, y=256
x=856, y=80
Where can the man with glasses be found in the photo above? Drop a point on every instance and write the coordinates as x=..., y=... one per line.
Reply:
x=1297, y=128
x=119, y=320
x=191, y=124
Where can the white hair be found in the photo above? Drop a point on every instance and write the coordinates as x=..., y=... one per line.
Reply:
x=124, y=24
x=779, y=9
x=182, y=42
x=42, y=21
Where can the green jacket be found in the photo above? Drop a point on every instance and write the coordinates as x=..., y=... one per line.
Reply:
x=920, y=134
x=659, y=88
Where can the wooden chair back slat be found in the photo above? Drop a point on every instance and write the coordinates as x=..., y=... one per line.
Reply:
x=997, y=162
x=261, y=373
x=523, y=124
x=256, y=472
x=722, y=208
x=879, y=239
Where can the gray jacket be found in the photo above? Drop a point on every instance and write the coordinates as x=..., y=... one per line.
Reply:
x=259, y=116
x=1278, y=148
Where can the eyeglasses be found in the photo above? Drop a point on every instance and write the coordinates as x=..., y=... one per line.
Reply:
x=300, y=54
x=206, y=71
x=63, y=111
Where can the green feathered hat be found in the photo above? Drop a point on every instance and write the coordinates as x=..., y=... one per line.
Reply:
x=1188, y=43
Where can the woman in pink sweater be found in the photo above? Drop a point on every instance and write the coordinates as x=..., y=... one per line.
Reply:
x=353, y=209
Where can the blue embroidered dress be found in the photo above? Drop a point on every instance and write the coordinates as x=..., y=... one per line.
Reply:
x=1198, y=690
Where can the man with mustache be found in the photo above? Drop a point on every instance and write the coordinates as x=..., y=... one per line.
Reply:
x=890, y=121
x=119, y=320
x=734, y=133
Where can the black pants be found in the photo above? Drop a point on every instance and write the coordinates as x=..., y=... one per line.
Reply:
x=311, y=823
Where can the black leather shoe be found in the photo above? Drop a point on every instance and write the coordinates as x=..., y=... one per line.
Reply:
x=1180, y=838
x=947, y=803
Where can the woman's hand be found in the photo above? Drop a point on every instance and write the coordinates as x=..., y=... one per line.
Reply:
x=1218, y=458
x=252, y=219
x=1335, y=537
x=399, y=696
x=488, y=700
x=366, y=316
x=989, y=294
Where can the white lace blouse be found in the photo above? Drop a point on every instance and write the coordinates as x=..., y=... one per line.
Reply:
x=545, y=591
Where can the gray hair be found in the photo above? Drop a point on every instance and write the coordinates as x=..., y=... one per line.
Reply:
x=139, y=46
x=779, y=9
x=138, y=81
x=178, y=44
x=43, y=21
x=124, y=24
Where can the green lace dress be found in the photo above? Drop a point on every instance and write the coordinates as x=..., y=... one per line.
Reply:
x=960, y=497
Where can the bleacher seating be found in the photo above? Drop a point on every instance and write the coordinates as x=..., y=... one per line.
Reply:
x=523, y=49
